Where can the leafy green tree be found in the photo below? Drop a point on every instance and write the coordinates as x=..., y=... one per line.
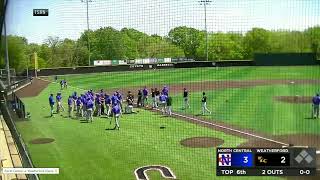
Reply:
x=17, y=52
x=257, y=41
x=222, y=46
x=314, y=37
x=186, y=38
x=53, y=59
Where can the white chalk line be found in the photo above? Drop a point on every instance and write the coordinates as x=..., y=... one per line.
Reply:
x=231, y=129
x=68, y=84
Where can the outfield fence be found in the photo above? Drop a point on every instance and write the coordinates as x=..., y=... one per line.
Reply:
x=114, y=68
x=8, y=116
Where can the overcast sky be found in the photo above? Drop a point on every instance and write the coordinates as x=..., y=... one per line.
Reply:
x=67, y=18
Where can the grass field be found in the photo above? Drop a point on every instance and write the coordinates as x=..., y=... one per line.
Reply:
x=88, y=151
x=80, y=148
x=256, y=108
x=174, y=76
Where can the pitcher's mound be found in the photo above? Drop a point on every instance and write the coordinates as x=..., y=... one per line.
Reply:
x=41, y=141
x=294, y=99
x=201, y=142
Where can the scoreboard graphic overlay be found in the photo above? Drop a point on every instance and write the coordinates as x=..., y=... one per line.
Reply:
x=266, y=161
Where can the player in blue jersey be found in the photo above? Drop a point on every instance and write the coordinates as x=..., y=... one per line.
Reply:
x=116, y=113
x=70, y=103
x=59, y=103
x=165, y=91
x=145, y=97
x=163, y=102
x=79, y=107
x=51, y=103
x=316, y=104
x=108, y=104
x=74, y=98
x=89, y=107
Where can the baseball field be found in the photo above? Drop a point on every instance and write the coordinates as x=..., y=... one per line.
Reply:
x=251, y=106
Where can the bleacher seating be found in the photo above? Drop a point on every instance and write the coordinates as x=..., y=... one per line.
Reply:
x=9, y=155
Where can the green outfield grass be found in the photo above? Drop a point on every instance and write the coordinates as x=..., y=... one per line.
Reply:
x=81, y=148
x=87, y=151
x=256, y=108
x=174, y=76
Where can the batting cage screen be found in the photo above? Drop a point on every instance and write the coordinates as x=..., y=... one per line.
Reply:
x=163, y=89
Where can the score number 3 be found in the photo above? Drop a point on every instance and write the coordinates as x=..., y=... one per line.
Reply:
x=245, y=159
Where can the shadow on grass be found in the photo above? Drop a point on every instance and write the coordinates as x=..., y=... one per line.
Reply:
x=110, y=129
x=105, y=117
x=84, y=121
x=310, y=118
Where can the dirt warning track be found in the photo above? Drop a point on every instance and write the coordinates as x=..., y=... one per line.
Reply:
x=33, y=89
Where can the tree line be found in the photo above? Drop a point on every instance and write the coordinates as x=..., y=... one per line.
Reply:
x=108, y=44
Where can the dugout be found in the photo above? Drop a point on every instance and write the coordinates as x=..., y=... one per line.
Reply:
x=285, y=59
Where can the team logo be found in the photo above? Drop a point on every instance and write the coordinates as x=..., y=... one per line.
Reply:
x=224, y=159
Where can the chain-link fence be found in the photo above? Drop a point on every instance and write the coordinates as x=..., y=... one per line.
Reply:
x=8, y=116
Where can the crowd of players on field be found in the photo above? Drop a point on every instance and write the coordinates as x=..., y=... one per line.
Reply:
x=89, y=103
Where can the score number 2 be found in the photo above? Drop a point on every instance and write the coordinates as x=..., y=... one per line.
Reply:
x=283, y=160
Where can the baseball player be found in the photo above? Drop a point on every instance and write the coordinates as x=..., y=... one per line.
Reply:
x=157, y=95
x=70, y=102
x=84, y=105
x=61, y=84
x=169, y=105
x=315, y=105
x=59, y=103
x=163, y=102
x=108, y=105
x=114, y=99
x=98, y=104
x=89, y=107
x=51, y=103
x=79, y=107
x=65, y=84
x=130, y=98
x=204, y=104
x=145, y=97
x=119, y=99
x=153, y=96
x=185, y=99
x=102, y=95
x=139, y=103
x=165, y=90
x=74, y=98
x=116, y=113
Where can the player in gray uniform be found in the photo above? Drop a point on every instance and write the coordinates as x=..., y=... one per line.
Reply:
x=204, y=104
x=185, y=99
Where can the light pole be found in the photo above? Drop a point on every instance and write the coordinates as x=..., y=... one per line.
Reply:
x=205, y=3
x=87, y=3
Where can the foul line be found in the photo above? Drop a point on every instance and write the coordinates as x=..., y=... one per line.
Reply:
x=230, y=129
x=58, y=83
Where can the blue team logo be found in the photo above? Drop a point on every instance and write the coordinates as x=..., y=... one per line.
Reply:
x=225, y=159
